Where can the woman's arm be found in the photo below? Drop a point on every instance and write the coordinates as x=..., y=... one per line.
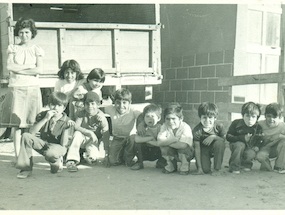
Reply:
x=25, y=69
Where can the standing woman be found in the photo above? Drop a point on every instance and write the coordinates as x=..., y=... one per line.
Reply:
x=23, y=101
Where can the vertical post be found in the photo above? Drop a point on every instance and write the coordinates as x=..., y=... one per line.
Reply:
x=61, y=46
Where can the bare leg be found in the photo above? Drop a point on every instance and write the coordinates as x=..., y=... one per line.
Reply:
x=17, y=140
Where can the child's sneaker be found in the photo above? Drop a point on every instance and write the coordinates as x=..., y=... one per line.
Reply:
x=235, y=171
x=137, y=166
x=279, y=170
x=71, y=166
x=24, y=174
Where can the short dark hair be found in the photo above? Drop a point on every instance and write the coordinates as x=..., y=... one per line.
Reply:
x=208, y=108
x=152, y=108
x=74, y=66
x=123, y=94
x=173, y=108
x=275, y=109
x=58, y=98
x=97, y=74
x=251, y=108
x=25, y=23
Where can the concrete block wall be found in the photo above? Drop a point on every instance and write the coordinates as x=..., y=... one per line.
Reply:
x=193, y=79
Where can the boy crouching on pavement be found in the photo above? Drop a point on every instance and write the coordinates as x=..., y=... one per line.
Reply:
x=243, y=135
x=146, y=145
x=209, y=139
x=53, y=127
x=123, y=121
x=91, y=127
x=273, y=129
x=175, y=140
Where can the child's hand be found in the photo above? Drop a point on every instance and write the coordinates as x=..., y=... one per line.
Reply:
x=209, y=140
x=70, y=123
x=50, y=114
x=255, y=148
x=247, y=137
x=93, y=137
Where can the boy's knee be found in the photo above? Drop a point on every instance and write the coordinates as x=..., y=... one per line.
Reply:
x=54, y=152
x=238, y=146
x=261, y=156
x=219, y=144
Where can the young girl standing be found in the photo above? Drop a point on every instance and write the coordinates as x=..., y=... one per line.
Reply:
x=23, y=101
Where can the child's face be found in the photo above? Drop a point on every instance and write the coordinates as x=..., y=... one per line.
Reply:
x=91, y=107
x=58, y=108
x=250, y=119
x=25, y=35
x=173, y=121
x=122, y=106
x=207, y=121
x=94, y=84
x=151, y=119
x=69, y=75
x=271, y=120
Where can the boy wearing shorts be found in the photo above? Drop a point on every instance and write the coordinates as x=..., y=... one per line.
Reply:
x=146, y=145
x=209, y=139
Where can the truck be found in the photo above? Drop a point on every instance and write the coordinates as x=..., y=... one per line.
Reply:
x=122, y=39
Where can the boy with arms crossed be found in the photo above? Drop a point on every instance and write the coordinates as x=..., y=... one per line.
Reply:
x=274, y=139
x=243, y=136
x=146, y=145
x=175, y=140
x=209, y=139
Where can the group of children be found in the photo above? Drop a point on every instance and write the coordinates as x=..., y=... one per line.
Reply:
x=75, y=123
x=150, y=135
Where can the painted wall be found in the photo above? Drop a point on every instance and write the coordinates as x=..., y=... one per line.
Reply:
x=197, y=49
x=193, y=29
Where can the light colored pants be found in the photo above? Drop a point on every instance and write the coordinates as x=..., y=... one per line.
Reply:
x=82, y=141
x=51, y=151
x=173, y=155
x=277, y=151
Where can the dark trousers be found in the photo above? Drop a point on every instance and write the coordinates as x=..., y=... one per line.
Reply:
x=146, y=152
x=121, y=150
x=241, y=156
x=216, y=150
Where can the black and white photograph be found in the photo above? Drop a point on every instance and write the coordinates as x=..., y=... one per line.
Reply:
x=143, y=107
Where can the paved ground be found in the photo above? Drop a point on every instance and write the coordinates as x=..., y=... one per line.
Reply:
x=119, y=188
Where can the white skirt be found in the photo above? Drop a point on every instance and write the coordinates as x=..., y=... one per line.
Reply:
x=20, y=107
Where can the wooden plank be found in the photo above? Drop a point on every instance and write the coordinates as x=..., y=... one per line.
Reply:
x=89, y=52
x=88, y=37
x=93, y=26
x=252, y=79
x=234, y=107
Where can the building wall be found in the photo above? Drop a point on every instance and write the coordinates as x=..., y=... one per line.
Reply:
x=197, y=48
